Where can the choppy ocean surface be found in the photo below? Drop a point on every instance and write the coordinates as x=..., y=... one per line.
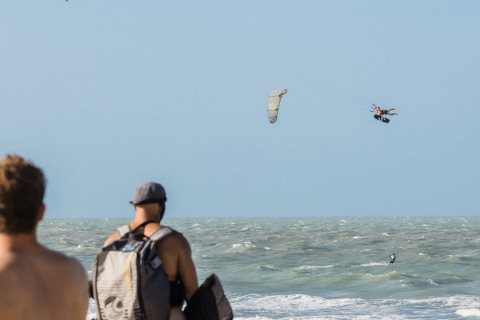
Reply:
x=318, y=268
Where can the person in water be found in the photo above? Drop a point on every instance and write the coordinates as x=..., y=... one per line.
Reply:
x=37, y=283
x=381, y=112
x=392, y=259
x=174, y=251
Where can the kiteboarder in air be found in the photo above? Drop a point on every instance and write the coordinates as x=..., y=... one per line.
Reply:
x=381, y=112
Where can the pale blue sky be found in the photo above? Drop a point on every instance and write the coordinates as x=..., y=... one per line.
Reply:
x=105, y=95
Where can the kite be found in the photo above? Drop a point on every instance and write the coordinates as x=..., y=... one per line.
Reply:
x=274, y=104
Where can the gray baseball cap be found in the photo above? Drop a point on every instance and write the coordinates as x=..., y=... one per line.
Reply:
x=149, y=192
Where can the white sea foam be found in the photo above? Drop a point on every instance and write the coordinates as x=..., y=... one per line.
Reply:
x=468, y=313
x=92, y=310
x=430, y=281
x=305, y=307
x=313, y=268
x=374, y=264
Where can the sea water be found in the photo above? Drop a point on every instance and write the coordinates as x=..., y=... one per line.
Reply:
x=318, y=268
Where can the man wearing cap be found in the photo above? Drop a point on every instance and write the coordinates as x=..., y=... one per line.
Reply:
x=174, y=251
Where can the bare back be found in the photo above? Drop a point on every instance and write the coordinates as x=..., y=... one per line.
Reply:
x=42, y=285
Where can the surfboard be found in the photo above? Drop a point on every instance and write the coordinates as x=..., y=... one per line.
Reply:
x=380, y=118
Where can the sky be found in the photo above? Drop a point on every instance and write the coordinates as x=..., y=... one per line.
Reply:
x=105, y=95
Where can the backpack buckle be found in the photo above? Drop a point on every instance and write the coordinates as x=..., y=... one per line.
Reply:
x=155, y=263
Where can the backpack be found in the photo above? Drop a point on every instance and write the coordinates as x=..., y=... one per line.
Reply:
x=128, y=279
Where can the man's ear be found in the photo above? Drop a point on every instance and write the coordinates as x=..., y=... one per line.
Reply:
x=41, y=212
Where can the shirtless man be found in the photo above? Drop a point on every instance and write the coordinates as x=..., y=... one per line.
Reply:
x=36, y=282
x=174, y=251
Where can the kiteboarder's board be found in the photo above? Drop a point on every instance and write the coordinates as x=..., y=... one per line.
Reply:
x=383, y=119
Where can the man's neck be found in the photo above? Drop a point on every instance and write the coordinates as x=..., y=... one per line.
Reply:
x=19, y=243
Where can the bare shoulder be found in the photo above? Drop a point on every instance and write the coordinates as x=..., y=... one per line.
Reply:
x=58, y=261
x=176, y=241
x=62, y=271
x=40, y=258
x=178, y=237
x=113, y=237
x=44, y=265
x=60, y=258
x=60, y=280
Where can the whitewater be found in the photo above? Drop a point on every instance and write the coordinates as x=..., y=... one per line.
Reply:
x=318, y=268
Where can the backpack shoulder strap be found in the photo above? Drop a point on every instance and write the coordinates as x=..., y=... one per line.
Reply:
x=123, y=230
x=158, y=235
x=161, y=233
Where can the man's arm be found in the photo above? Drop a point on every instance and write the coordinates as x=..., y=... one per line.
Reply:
x=187, y=270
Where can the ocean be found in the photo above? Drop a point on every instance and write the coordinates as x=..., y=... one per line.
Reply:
x=318, y=268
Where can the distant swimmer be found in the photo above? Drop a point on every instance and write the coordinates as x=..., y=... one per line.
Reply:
x=382, y=112
x=392, y=258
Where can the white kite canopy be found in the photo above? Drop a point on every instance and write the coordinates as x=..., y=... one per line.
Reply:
x=274, y=104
